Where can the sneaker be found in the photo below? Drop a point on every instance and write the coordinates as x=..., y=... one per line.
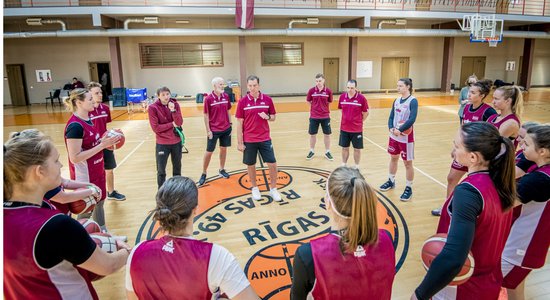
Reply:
x=256, y=195
x=275, y=195
x=329, y=156
x=310, y=155
x=388, y=185
x=116, y=196
x=436, y=212
x=407, y=194
x=224, y=174
x=202, y=180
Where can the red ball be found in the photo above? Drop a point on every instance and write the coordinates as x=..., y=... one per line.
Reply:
x=115, y=132
x=90, y=225
x=82, y=206
x=431, y=249
x=406, y=132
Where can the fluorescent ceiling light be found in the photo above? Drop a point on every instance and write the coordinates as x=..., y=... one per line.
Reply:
x=182, y=22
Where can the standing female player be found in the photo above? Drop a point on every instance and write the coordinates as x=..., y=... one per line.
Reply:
x=177, y=266
x=402, y=117
x=85, y=148
x=509, y=101
x=45, y=252
x=357, y=261
x=463, y=96
x=529, y=239
x=475, y=111
x=476, y=217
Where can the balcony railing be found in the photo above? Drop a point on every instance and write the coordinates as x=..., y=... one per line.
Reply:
x=515, y=7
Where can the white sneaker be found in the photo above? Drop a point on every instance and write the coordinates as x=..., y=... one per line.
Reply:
x=275, y=195
x=256, y=195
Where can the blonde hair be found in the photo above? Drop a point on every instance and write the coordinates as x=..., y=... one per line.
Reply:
x=75, y=95
x=471, y=79
x=353, y=198
x=24, y=149
x=94, y=84
x=514, y=93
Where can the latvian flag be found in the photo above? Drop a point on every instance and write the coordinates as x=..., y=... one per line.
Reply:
x=244, y=14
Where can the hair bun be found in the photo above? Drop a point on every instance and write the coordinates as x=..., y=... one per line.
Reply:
x=163, y=212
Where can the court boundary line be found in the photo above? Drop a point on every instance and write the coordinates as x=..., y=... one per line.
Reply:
x=130, y=154
x=419, y=170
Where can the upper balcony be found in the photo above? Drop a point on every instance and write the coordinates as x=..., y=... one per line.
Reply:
x=511, y=7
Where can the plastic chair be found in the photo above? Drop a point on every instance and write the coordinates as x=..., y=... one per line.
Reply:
x=54, y=96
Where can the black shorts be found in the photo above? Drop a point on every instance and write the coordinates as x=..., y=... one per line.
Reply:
x=314, y=126
x=356, y=139
x=251, y=152
x=223, y=136
x=109, y=159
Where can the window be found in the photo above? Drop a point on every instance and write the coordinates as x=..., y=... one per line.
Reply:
x=181, y=55
x=282, y=54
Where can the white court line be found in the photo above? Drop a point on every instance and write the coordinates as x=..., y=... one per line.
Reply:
x=422, y=172
x=130, y=154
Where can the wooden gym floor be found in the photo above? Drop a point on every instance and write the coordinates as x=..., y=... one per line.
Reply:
x=263, y=234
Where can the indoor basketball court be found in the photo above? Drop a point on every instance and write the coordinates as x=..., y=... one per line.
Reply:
x=265, y=234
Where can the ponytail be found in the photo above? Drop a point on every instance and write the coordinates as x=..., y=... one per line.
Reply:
x=354, y=200
x=502, y=172
x=485, y=139
x=363, y=226
x=75, y=95
x=514, y=93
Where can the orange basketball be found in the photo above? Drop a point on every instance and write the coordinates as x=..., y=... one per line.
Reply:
x=115, y=132
x=90, y=225
x=431, y=249
x=406, y=132
x=82, y=206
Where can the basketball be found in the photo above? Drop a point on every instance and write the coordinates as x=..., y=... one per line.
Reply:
x=82, y=206
x=90, y=225
x=406, y=132
x=431, y=249
x=112, y=133
x=104, y=241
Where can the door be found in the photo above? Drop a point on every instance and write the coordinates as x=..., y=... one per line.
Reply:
x=472, y=65
x=393, y=68
x=331, y=70
x=17, y=84
x=101, y=72
x=518, y=69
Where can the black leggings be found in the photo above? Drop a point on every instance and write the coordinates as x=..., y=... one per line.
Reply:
x=162, y=152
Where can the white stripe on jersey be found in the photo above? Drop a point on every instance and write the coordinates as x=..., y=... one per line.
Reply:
x=218, y=103
x=447, y=293
x=350, y=103
x=319, y=95
x=98, y=116
x=256, y=107
x=69, y=282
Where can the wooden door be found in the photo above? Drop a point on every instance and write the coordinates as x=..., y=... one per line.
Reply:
x=17, y=84
x=472, y=65
x=94, y=76
x=331, y=70
x=393, y=68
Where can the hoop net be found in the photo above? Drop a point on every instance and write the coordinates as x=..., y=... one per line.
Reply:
x=493, y=42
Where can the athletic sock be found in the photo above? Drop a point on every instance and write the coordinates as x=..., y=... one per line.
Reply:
x=409, y=184
x=391, y=177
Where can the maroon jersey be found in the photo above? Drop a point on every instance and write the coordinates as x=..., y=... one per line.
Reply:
x=529, y=238
x=492, y=228
x=23, y=277
x=352, y=112
x=255, y=129
x=469, y=115
x=171, y=268
x=91, y=170
x=493, y=120
x=101, y=115
x=368, y=275
x=216, y=108
x=320, y=102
